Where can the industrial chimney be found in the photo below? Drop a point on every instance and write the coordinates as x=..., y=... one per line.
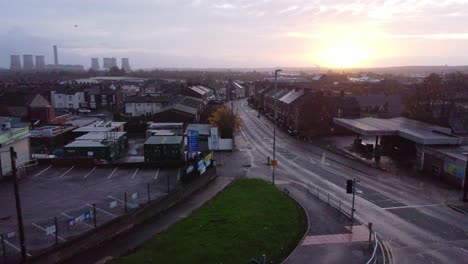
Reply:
x=126, y=64
x=56, y=62
x=95, y=64
x=28, y=62
x=40, y=63
x=15, y=63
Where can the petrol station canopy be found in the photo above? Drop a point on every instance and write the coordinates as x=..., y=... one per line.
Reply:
x=416, y=131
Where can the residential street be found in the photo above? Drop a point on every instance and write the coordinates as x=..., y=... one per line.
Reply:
x=411, y=218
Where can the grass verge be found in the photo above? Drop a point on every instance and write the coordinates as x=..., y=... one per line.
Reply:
x=248, y=219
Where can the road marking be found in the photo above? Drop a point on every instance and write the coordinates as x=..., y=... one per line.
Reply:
x=67, y=215
x=178, y=174
x=156, y=175
x=122, y=201
x=464, y=250
x=312, y=161
x=135, y=173
x=101, y=210
x=89, y=173
x=42, y=171
x=43, y=229
x=15, y=247
x=411, y=206
x=65, y=173
x=113, y=172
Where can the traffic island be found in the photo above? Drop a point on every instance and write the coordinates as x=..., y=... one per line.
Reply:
x=249, y=219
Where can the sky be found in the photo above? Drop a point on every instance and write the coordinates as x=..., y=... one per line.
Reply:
x=238, y=33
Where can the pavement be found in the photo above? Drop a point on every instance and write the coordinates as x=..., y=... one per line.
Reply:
x=130, y=241
x=330, y=237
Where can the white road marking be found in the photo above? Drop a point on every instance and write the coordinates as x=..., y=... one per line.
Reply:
x=122, y=201
x=43, y=229
x=65, y=173
x=101, y=210
x=113, y=172
x=135, y=173
x=15, y=247
x=359, y=191
x=42, y=171
x=67, y=215
x=464, y=250
x=89, y=173
x=312, y=161
x=411, y=206
x=156, y=175
x=178, y=174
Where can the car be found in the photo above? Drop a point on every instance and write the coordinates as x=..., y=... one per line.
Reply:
x=83, y=110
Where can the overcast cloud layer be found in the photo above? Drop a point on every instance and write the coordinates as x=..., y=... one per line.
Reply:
x=236, y=33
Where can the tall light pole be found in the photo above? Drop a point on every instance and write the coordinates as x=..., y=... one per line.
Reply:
x=274, y=162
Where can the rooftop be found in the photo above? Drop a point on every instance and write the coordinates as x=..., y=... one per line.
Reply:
x=200, y=89
x=100, y=136
x=181, y=108
x=203, y=129
x=416, y=131
x=164, y=140
x=85, y=144
x=291, y=96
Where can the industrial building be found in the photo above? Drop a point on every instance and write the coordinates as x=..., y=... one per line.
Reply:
x=95, y=64
x=164, y=148
x=15, y=63
x=108, y=63
x=28, y=62
x=40, y=63
x=126, y=64
x=107, y=146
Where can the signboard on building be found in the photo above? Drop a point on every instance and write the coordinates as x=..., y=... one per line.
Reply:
x=454, y=169
x=192, y=141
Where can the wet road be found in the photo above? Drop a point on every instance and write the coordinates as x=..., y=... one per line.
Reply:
x=413, y=220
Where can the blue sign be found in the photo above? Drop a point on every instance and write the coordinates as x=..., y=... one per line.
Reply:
x=83, y=217
x=192, y=141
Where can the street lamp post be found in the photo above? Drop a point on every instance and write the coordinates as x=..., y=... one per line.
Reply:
x=274, y=163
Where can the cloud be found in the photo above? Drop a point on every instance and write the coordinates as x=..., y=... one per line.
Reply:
x=288, y=9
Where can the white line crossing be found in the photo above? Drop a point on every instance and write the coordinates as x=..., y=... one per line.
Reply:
x=135, y=173
x=43, y=229
x=65, y=173
x=112, y=174
x=89, y=173
x=42, y=171
x=101, y=210
x=156, y=175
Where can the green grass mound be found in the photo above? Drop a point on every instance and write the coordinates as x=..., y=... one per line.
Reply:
x=248, y=219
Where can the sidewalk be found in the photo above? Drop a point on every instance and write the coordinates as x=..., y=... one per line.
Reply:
x=329, y=238
x=130, y=241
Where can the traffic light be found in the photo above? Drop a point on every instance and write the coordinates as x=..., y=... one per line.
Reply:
x=349, y=186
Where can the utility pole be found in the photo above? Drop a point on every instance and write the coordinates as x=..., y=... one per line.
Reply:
x=465, y=181
x=19, y=213
x=274, y=162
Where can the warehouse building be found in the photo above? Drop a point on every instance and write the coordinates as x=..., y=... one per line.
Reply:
x=164, y=148
x=107, y=146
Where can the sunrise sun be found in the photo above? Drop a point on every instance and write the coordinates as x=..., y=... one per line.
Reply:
x=345, y=54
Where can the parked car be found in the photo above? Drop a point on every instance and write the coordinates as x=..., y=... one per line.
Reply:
x=84, y=110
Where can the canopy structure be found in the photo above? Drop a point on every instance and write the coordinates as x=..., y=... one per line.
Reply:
x=416, y=131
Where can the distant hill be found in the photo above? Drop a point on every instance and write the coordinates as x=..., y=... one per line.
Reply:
x=413, y=69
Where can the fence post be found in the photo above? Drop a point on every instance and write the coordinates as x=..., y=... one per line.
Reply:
x=125, y=201
x=94, y=215
x=3, y=249
x=149, y=195
x=370, y=234
x=56, y=231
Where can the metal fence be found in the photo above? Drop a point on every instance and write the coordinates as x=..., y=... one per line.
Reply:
x=330, y=199
x=53, y=230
